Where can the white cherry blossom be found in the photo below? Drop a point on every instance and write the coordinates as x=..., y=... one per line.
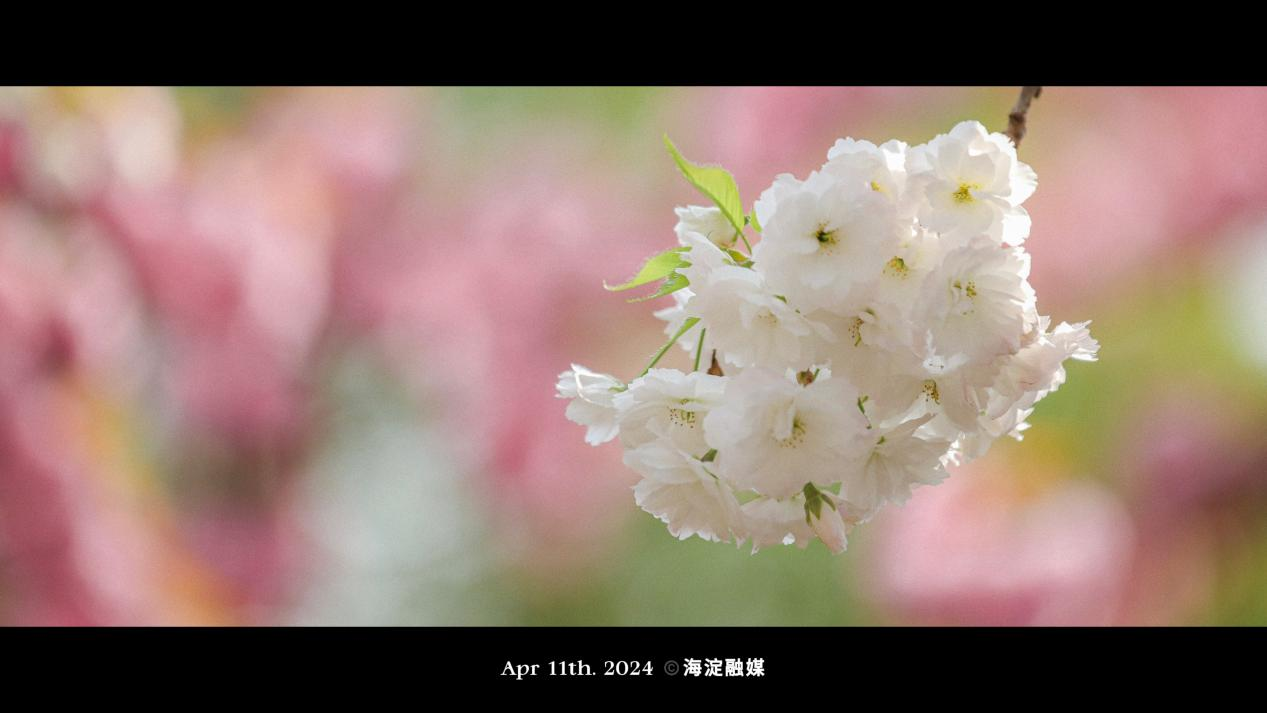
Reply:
x=668, y=405
x=774, y=435
x=969, y=182
x=679, y=490
x=820, y=247
x=880, y=168
x=975, y=302
x=707, y=222
x=773, y=521
x=749, y=324
x=895, y=461
x=592, y=404
x=883, y=328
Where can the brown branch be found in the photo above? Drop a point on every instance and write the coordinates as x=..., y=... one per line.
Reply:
x=1016, y=120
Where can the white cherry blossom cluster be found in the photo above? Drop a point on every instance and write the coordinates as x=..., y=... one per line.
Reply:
x=882, y=328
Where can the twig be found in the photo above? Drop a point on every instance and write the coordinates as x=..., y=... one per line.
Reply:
x=1016, y=120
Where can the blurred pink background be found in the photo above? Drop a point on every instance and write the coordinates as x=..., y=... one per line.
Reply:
x=287, y=356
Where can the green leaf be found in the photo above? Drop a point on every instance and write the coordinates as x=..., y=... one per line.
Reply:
x=714, y=182
x=686, y=327
x=739, y=258
x=672, y=283
x=657, y=267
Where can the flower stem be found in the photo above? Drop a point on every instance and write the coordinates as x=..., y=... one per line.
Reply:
x=686, y=326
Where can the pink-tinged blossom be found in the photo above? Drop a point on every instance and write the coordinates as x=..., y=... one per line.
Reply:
x=1116, y=198
x=473, y=301
x=82, y=535
x=236, y=264
x=1191, y=467
x=1190, y=449
x=980, y=550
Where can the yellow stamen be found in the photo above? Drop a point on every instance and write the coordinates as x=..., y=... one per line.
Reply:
x=827, y=237
x=797, y=437
x=682, y=417
x=964, y=194
x=930, y=391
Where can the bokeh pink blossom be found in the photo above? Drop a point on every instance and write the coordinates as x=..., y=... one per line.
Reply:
x=188, y=277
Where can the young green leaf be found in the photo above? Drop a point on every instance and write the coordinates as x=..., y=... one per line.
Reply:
x=739, y=258
x=657, y=267
x=673, y=282
x=714, y=182
x=686, y=327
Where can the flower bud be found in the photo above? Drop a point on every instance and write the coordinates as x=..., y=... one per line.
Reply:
x=822, y=512
x=831, y=529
